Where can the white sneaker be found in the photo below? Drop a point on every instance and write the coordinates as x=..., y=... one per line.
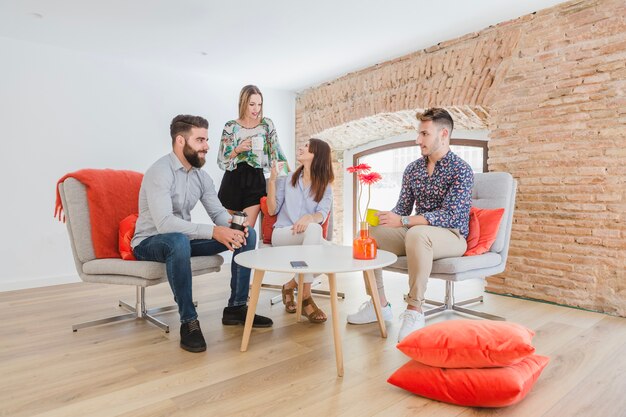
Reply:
x=411, y=321
x=367, y=314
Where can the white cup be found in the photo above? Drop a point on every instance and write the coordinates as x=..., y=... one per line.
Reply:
x=257, y=142
x=281, y=168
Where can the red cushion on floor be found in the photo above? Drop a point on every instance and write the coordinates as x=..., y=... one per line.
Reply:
x=469, y=344
x=486, y=387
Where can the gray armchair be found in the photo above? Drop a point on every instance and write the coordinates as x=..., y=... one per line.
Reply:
x=116, y=271
x=491, y=190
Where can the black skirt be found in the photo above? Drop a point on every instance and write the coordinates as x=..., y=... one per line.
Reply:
x=243, y=187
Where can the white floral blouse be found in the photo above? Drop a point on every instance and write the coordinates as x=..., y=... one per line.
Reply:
x=234, y=134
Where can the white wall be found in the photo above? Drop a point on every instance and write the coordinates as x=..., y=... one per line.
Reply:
x=61, y=111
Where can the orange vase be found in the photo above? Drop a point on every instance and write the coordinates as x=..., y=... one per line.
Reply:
x=364, y=246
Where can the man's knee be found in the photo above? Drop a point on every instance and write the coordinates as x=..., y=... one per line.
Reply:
x=418, y=234
x=388, y=238
x=175, y=245
x=178, y=244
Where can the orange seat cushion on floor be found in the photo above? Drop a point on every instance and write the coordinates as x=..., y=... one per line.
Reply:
x=469, y=344
x=486, y=387
x=483, y=230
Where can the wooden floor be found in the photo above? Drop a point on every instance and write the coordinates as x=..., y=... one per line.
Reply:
x=134, y=369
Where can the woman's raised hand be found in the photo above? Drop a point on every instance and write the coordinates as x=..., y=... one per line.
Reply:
x=244, y=146
x=274, y=171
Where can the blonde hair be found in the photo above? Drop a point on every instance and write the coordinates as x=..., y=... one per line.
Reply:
x=244, y=99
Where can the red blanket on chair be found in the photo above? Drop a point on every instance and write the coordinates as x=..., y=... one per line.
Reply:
x=112, y=195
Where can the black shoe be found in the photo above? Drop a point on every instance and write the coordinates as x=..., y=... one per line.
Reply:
x=237, y=315
x=191, y=338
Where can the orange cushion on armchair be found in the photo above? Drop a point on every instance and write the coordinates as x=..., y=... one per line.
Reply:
x=267, y=225
x=483, y=230
x=126, y=233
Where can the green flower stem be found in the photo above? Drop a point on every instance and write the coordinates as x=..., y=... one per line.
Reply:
x=369, y=194
x=358, y=201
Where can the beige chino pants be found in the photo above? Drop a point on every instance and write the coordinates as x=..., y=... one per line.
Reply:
x=422, y=245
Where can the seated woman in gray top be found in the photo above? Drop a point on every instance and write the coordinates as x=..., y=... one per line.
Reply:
x=302, y=200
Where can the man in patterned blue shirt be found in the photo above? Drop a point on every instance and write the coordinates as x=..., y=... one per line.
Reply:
x=439, y=186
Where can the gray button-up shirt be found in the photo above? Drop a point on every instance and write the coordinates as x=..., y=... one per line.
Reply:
x=168, y=194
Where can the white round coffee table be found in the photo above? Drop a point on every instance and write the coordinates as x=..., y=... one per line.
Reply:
x=324, y=259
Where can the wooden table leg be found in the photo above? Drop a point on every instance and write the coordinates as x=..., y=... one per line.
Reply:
x=254, y=299
x=368, y=291
x=332, y=283
x=299, y=302
x=375, y=298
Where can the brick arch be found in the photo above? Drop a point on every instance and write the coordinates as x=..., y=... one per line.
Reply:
x=386, y=125
x=456, y=74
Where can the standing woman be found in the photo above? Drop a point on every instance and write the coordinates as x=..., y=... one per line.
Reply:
x=303, y=201
x=248, y=147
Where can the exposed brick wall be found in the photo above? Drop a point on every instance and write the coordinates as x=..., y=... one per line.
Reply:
x=551, y=89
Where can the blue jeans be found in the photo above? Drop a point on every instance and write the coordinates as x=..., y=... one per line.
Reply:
x=176, y=250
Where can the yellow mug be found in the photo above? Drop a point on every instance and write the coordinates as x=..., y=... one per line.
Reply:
x=372, y=217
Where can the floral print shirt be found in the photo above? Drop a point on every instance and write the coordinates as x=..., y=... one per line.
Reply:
x=234, y=134
x=444, y=198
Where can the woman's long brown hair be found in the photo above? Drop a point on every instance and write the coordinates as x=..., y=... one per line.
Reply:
x=321, y=169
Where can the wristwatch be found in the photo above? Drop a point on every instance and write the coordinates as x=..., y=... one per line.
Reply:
x=405, y=221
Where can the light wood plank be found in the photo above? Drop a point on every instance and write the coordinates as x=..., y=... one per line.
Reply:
x=134, y=369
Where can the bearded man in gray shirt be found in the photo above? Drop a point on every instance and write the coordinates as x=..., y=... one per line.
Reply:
x=170, y=189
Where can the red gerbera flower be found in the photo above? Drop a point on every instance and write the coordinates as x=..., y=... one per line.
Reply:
x=359, y=168
x=365, y=177
x=369, y=179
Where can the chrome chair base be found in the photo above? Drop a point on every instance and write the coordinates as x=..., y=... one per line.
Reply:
x=138, y=311
x=449, y=305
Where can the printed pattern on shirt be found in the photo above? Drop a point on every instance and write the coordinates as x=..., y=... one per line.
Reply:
x=233, y=134
x=444, y=198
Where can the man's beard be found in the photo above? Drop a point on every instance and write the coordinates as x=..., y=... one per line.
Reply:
x=193, y=157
